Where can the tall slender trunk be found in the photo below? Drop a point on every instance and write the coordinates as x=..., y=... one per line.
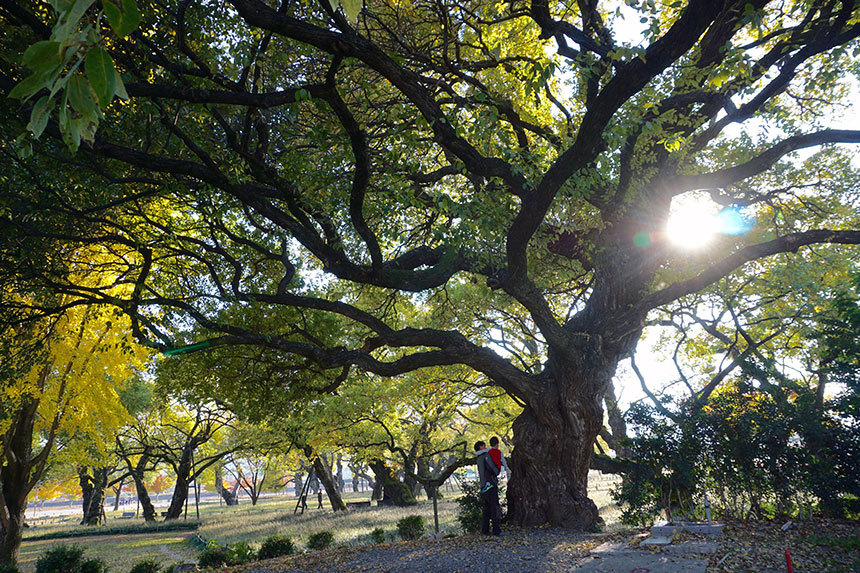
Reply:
x=339, y=474
x=180, y=490
x=323, y=472
x=299, y=483
x=118, y=495
x=354, y=471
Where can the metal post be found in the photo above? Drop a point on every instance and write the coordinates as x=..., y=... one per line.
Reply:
x=196, y=487
x=435, y=512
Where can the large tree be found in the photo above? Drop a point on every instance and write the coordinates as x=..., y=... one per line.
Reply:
x=505, y=169
x=55, y=403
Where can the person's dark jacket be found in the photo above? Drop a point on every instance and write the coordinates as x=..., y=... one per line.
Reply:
x=487, y=470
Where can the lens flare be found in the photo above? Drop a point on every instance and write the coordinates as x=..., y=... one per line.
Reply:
x=695, y=220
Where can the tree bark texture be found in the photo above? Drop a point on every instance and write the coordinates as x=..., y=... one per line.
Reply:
x=394, y=491
x=323, y=473
x=230, y=497
x=137, y=472
x=180, y=490
x=15, y=481
x=339, y=474
x=93, y=493
x=553, y=441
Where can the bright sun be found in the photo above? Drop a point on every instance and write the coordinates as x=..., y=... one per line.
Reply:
x=693, y=220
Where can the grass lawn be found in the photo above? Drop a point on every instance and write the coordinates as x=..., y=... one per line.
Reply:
x=228, y=525
x=120, y=552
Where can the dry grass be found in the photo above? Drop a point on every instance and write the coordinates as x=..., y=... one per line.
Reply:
x=120, y=552
x=272, y=515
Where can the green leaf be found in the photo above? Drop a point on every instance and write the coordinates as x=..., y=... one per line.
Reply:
x=119, y=87
x=67, y=24
x=43, y=56
x=70, y=134
x=59, y=85
x=102, y=74
x=123, y=16
x=62, y=5
x=39, y=116
x=351, y=8
x=81, y=95
x=28, y=86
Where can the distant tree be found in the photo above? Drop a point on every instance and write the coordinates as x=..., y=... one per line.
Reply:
x=179, y=442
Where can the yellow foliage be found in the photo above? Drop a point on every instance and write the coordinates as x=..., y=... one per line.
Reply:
x=85, y=354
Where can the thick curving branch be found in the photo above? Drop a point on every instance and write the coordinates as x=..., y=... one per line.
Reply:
x=628, y=81
x=760, y=163
x=787, y=243
x=412, y=85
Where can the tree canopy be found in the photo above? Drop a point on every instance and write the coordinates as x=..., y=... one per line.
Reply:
x=423, y=184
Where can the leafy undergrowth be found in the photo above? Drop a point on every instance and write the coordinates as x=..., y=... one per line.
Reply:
x=815, y=545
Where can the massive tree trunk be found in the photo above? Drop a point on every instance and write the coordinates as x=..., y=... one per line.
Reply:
x=553, y=444
x=394, y=491
x=93, y=494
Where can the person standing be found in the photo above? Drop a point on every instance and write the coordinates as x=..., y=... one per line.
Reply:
x=488, y=475
x=319, y=499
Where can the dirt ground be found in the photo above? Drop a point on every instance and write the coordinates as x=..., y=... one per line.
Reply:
x=814, y=546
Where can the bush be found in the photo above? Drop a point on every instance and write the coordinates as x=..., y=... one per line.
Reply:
x=469, y=507
x=320, y=540
x=213, y=556
x=61, y=559
x=378, y=535
x=276, y=546
x=94, y=565
x=240, y=552
x=148, y=566
x=8, y=568
x=411, y=527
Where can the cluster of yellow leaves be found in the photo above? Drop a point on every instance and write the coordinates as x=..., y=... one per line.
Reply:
x=85, y=355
